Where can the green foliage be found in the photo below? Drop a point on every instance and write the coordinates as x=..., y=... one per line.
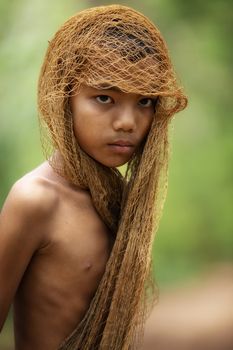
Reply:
x=26, y=28
x=197, y=225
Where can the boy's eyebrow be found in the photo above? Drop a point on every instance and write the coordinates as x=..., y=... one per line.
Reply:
x=106, y=86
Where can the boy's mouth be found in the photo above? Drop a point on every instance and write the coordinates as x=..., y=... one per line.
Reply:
x=122, y=143
x=121, y=146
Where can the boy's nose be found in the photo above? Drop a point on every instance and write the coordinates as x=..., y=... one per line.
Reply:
x=125, y=121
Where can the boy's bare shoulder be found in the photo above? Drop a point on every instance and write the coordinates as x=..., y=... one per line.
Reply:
x=24, y=224
x=29, y=201
x=32, y=193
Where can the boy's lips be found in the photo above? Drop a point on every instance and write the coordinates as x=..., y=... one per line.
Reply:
x=123, y=143
x=121, y=146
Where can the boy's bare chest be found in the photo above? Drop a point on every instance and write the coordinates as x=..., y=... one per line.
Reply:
x=79, y=245
x=65, y=274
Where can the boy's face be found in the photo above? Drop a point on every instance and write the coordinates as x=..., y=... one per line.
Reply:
x=110, y=124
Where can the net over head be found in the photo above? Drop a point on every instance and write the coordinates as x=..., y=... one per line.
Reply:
x=108, y=46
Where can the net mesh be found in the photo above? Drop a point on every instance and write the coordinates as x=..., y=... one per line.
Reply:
x=112, y=46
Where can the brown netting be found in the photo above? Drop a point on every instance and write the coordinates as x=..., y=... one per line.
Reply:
x=101, y=47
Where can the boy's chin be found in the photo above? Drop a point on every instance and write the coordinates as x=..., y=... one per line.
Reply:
x=111, y=162
x=114, y=164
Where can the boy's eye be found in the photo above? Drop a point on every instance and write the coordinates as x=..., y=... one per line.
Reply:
x=104, y=99
x=146, y=102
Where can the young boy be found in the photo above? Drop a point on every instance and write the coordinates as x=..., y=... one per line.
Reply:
x=75, y=234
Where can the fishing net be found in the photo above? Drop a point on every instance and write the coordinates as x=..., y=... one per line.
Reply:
x=103, y=47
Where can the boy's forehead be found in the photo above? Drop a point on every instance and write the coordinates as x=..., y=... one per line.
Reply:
x=107, y=86
x=140, y=77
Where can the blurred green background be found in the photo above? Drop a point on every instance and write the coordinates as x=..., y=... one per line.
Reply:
x=197, y=225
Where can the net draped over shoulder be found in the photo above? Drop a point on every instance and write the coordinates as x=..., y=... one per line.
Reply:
x=102, y=47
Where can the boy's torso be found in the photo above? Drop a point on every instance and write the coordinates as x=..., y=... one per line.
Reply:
x=63, y=275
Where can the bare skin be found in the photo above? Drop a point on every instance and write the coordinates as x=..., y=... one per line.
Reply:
x=53, y=253
x=53, y=245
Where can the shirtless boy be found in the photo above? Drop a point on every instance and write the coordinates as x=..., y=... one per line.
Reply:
x=75, y=234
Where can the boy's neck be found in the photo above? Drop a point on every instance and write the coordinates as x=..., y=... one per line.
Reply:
x=53, y=175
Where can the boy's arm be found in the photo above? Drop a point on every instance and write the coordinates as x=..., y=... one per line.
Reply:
x=21, y=234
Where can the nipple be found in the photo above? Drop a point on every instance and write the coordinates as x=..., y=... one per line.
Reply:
x=87, y=265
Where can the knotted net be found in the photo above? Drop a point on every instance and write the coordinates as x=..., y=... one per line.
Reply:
x=101, y=47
